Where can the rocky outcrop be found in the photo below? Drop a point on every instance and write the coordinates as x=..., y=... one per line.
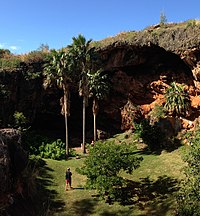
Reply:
x=13, y=161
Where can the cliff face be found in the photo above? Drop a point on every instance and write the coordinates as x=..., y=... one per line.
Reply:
x=142, y=68
x=141, y=75
x=141, y=65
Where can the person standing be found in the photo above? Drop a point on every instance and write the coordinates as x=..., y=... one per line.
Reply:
x=68, y=177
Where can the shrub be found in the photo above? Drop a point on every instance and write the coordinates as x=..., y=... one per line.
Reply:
x=151, y=135
x=189, y=195
x=20, y=120
x=54, y=150
x=103, y=166
x=34, y=57
x=156, y=113
x=10, y=63
x=177, y=100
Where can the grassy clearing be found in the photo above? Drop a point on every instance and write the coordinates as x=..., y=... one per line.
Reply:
x=154, y=185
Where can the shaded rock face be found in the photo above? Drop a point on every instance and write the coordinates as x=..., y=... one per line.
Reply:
x=13, y=161
x=139, y=74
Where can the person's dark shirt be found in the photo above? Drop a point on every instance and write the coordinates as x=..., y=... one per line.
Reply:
x=68, y=175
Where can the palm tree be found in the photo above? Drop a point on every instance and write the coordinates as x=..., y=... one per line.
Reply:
x=58, y=71
x=99, y=88
x=177, y=100
x=82, y=56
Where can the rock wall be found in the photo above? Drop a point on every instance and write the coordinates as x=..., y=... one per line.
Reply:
x=140, y=71
x=13, y=161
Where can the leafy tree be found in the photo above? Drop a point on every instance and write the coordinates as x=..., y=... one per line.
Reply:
x=104, y=165
x=98, y=88
x=189, y=196
x=163, y=18
x=44, y=47
x=59, y=71
x=177, y=100
x=82, y=56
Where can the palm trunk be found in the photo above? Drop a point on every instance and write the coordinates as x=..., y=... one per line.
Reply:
x=95, y=128
x=66, y=102
x=84, y=105
x=95, y=110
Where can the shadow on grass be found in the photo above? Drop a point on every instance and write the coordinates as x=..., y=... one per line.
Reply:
x=36, y=199
x=47, y=199
x=84, y=207
x=155, y=197
x=151, y=197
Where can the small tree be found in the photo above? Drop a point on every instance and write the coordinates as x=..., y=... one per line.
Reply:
x=103, y=165
x=59, y=71
x=163, y=18
x=99, y=89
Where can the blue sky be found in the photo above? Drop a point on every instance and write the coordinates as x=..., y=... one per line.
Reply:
x=26, y=24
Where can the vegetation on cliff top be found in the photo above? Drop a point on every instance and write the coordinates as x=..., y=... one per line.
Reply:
x=171, y=36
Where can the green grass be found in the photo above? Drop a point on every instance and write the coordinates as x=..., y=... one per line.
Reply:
x=154, y=185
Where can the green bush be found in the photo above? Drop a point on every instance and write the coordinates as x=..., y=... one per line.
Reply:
x=20, y=120
x=104, y=164
x=55, y=150
x=189, y=195
x=157, y=113
x=151, y=135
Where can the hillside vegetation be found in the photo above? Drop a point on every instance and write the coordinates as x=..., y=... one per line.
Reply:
x=171, y=36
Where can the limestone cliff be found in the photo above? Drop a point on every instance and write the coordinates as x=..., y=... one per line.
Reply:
x=141, y=65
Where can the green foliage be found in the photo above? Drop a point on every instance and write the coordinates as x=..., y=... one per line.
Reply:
x=103, y=166
x=98, y=85
x=20, y=120
x=157, y=113
x=54, y=150
x=58, y=69
x=189, y=195
x=12, y=62
x=191, y=23
x=177, y=100
x=150, y=134
x=30, y=74
x=4, y=93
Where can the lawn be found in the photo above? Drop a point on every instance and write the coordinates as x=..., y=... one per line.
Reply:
x=154, y=185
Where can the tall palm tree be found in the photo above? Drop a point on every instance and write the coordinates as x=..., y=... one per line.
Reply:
x=58, y=71
x=82, y=55
x=177, y=100
x=99, y=88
